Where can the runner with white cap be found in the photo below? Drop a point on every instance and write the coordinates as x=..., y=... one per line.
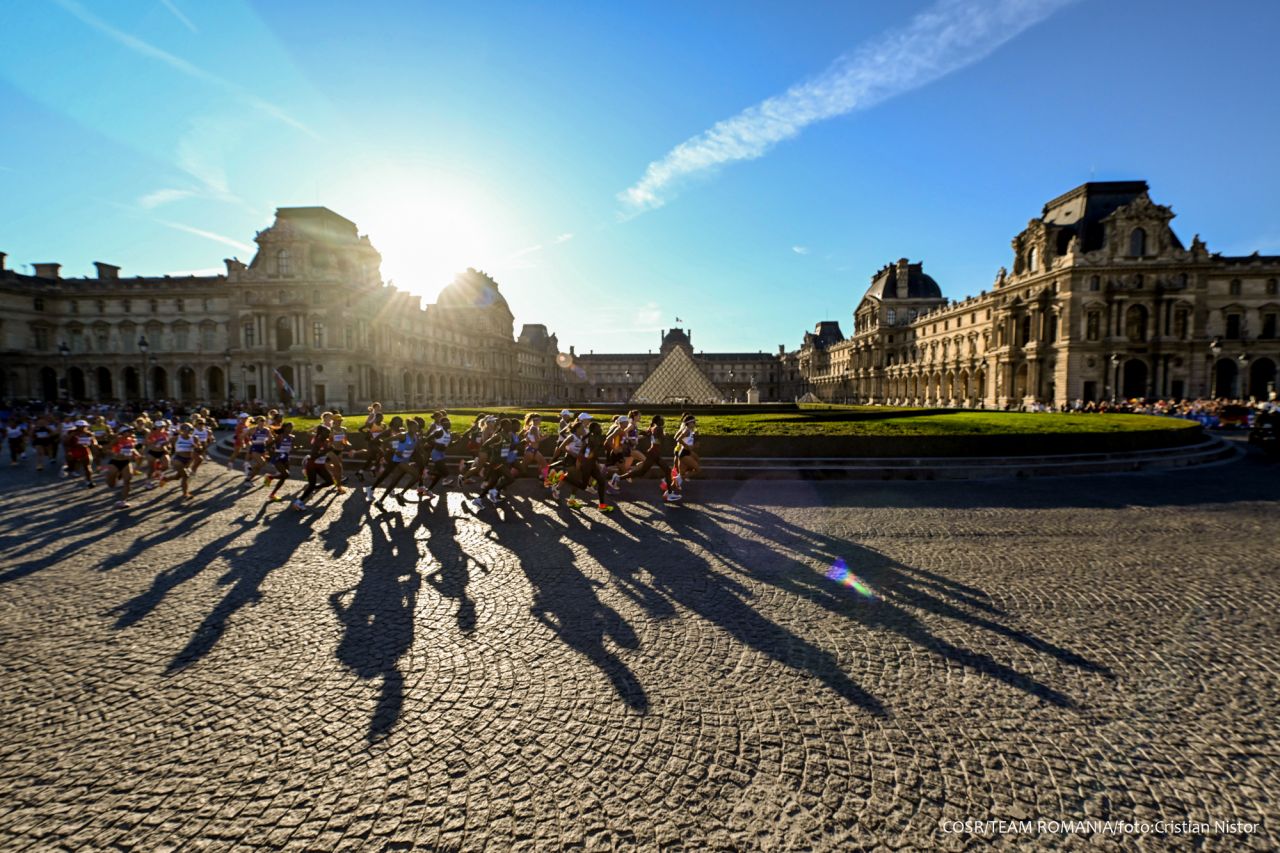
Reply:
x=79, y=445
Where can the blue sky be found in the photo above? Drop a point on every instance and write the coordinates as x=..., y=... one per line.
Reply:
x=743, y=166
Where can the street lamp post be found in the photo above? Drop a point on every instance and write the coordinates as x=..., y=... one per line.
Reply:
x=1115, y=376
x=1243, y=358
x=1215, y=350
x=145, y=349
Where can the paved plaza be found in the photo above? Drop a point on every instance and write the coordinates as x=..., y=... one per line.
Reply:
x=232, y=673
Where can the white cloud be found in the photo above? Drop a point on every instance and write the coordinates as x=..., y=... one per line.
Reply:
x=177, y=13
x=163, y=196
x=648, y=315
x=564, y=238
x=800, y=250
x=208, y=235
x=150, y=51
x=944, y=38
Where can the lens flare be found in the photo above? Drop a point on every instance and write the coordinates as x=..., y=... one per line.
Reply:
x=564, y=360
x=839, y=572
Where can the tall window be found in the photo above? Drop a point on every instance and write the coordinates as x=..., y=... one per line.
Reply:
x=1095, y=283
x=1233, y=325
x=179, y=305
x=891, y=317
x=1271, y=287
x=1031, y=259
x=1180, y=324
x=74, y=306
x=317, y=335
x=248, y=334
x=1234, y=288
x=39, y=304
x=180, y=338
x=283, y=265
x=126, y=306
x=41, y=336
x=1268, y=326
x=1138, y=243
x=101, y=306
x=153, y=305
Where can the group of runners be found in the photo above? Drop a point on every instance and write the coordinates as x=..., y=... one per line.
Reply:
x=398, y=454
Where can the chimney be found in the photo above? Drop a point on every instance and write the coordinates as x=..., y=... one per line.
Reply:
x=782, y=349
x=107, y=272
x=571, y=352
x=48, y=270
x=2, y=257
x=904, y=271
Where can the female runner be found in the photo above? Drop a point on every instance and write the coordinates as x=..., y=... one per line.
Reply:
x=124, y=452
x=281, y=449
x=315, y=467
x=80, y=445
x=185, y=449
x=16, y=433
x=158, y=450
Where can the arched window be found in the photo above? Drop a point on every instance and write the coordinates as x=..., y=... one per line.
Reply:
x=282, y=263
x=1031, y=259
x=1095, y=283
x=1135, y=321
x=1138, y=243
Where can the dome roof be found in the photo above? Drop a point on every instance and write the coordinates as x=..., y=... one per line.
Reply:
x=471, y=289
x=903, y=280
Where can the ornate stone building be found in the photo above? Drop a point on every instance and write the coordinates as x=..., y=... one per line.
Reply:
x=615, y=377
x=309, y=313
x=1104, y=301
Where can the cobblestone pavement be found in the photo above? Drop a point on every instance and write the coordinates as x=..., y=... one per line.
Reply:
x=232, y=673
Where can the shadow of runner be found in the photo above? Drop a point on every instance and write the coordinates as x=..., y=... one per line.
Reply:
x=778, y=560
x=377, y=615
x=166, y=581
x=689, y=581
x=452, y=576
x=565, y=600
x=276, y=542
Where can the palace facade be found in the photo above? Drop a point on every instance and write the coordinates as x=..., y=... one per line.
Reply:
x=1104, y=301
x=616, y=377
x=309, y=319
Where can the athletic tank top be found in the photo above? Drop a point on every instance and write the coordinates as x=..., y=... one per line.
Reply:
x=284, y=445
x=442, y=441
x=258, y=439
x=184, y=445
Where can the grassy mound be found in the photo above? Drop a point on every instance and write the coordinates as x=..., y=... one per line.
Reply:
x=868, y=421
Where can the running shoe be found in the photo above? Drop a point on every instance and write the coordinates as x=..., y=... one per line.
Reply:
x=447, y=481
x=555, y=492
x=298, y=505
x=275, y=497
x=613, y=490
x=604, y=507
x=573, y=503
x=616, y=482
x=368, y=493
x=671, y=498
x=122, y=504
x=477, y=504
x=493, y=496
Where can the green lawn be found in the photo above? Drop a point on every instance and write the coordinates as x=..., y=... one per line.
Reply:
x=863, y=420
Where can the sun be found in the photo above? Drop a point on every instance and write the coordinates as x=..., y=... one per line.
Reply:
x=428, y=232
